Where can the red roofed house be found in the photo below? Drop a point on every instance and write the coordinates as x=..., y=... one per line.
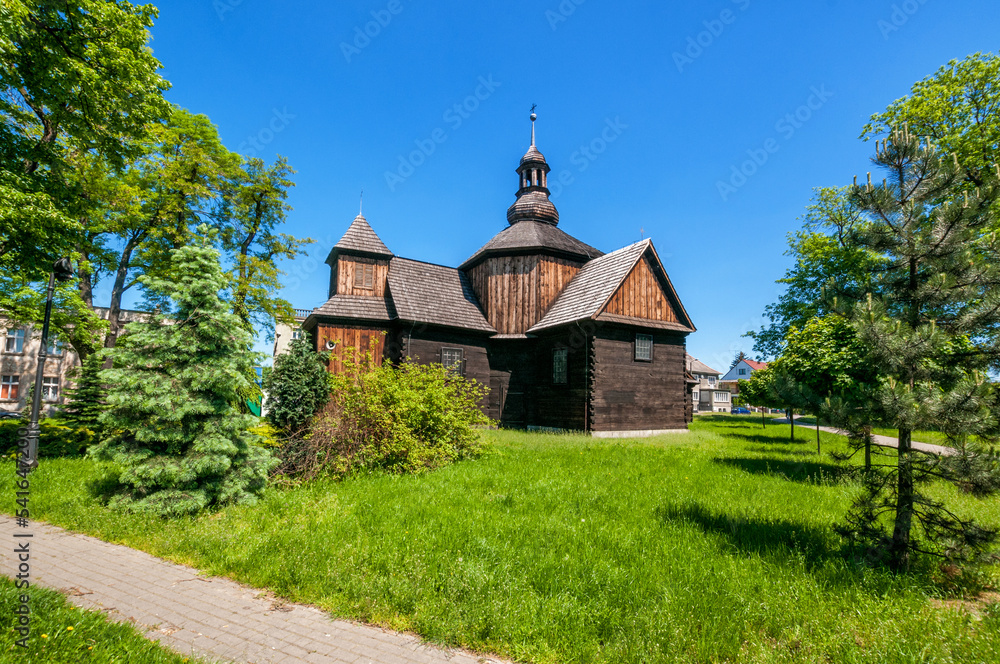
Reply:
x=741, y=371
x=564, y=335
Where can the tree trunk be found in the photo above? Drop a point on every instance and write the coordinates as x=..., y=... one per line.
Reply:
x=818, y=449
x=115, y=306
x=763, y=420
x=868, y=448
x=791, y=420
x=899, y=550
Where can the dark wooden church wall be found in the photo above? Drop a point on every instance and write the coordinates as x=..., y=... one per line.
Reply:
x=630, y=395
x=560, y=406
x=516, y=291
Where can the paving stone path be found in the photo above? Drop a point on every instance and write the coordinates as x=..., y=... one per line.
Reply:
x=882, y=441
x=209, y=617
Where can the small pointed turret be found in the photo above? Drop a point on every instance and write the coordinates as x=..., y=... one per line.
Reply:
x=533, y=194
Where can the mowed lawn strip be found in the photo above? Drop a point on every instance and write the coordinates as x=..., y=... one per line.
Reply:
x=61, y=632
x=715, y=545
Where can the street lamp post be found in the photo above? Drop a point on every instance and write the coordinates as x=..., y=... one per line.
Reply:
x=62, y=271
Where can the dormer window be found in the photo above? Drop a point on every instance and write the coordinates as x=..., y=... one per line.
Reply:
x=364, y=276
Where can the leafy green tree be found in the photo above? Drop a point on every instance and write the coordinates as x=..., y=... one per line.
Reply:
x=254, y=209
x=87, y=401
x=769, y=388
x=826, y=264
x=929, y=330
x=76, y=78
x=958, y=110
x=297, y=387
x=172, y=424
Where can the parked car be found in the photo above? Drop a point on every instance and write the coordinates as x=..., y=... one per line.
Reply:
x=740, y=411
x=7, y=415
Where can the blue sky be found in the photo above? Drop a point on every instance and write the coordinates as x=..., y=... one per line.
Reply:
x=645, y=109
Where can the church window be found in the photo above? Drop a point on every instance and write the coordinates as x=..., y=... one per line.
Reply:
x=644, y=347
x=364, y=275
x=451, y=358
x=560, y=366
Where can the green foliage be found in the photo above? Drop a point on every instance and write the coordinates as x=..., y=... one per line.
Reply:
x=826, y=265
x=172, y=425
x=297, y=387
x=567, y=548
x=929, y=331
x=87, y=400
x=57, y=438
x=77, y=81
x=958, y=109
x=402, y=419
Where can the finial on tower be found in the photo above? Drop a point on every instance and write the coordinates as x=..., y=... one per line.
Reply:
x=534, y=116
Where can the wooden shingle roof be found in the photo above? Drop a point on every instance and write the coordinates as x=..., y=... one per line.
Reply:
x=534, y=236
x=356, y=306
x=589, y=291
x=435, y=295
x=361, y=238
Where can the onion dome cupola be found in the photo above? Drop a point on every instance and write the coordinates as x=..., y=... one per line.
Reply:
x=533, y=202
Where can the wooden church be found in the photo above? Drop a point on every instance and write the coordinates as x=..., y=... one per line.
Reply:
x=565, y=336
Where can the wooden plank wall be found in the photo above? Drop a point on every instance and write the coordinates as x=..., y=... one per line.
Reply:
x=641, y=296
x=516, y=291
x=628, y=395
x=425, y=348
x=346, y=267
x=352, y=341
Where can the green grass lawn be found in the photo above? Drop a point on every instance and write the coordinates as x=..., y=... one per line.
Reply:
x=64, y=634
x=711, y=546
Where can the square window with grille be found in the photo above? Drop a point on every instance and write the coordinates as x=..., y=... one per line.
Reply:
x=560, y=366
x=644, y=347
x=14, y=343
x=452, y=358
x=56, y=348
x=364, y=276
x=297, y=334
x=10, y=387
x=50, y=388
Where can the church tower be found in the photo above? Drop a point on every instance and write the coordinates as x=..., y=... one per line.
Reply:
x=520, y=272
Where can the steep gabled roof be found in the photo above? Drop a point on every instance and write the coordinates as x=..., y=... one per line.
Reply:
x=532, y=235
x=589, y=291
x=435, y=295
x=362, y=239
x=755, y=365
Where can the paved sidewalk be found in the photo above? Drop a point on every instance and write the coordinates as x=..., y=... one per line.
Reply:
x=882, y=441
x=207, y=617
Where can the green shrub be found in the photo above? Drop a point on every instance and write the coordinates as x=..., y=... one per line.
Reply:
x=56, y=439
x=401, y=419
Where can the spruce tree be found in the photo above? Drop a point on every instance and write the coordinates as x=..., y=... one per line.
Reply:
x=86, y=400
x=930, y=327
x=172, y=424
x=297, y=387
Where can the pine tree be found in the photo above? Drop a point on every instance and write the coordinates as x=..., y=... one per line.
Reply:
x=172, y=423
x=930, y=329
x=297, y=387
x=88, y=399
x=740, y=356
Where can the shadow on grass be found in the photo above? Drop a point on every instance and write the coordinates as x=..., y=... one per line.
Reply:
x=811, y=472
x=770, y=440
x=775, y=537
